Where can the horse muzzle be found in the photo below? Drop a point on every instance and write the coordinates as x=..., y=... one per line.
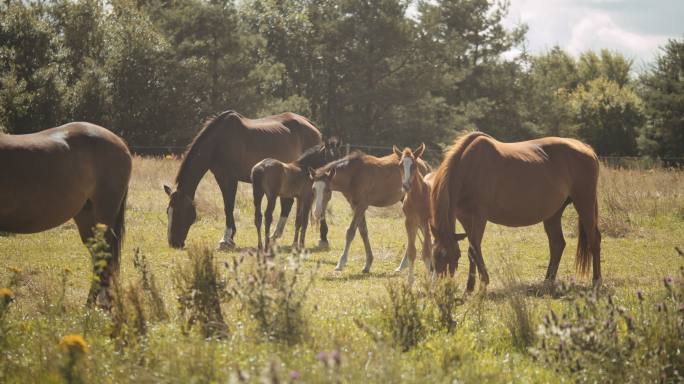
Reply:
x=406, y=187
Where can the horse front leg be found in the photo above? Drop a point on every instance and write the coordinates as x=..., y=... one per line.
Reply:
x=323, y=243
x=298, y=224
x=475, y=233
x=427, y=248
x=306, y=211
x=411, y=231
x=270, y=206
x=258, y=195
x=363, y=230
x=228, y=188
x=405, y=259
x=351, y=232
x=285, y=208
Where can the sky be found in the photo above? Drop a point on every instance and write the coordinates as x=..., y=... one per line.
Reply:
x=635, y=28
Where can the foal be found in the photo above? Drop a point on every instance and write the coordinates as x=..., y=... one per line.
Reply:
x=275, y=179
x=416, y=207
x=364, y=181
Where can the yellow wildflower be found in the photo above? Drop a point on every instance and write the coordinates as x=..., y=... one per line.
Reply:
x=6, y=295
x=15, y=270
x=74, y=344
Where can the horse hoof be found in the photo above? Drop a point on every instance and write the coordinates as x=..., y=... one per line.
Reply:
x=323, y=245
x=338, y=268
x=366, y=271
x=225, y=245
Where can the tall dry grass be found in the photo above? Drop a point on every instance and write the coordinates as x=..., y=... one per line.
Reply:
x=627, y=196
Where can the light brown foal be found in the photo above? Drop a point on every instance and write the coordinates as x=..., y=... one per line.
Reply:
x=416, y=207
x=365, y=181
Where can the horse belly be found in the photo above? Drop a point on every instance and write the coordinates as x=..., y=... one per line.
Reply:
x=527, y=211
x=523, y=194
x=43, y=194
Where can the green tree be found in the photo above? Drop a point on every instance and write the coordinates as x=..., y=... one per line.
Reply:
x=81, y=28
x=144, y=105
x=663, y=93
x=465, y=40
x=608, y=116
x=30, y=83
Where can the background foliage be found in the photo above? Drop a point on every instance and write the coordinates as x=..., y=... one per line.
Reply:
x=386, y=71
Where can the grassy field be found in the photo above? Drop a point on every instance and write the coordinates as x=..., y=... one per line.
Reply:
x=343, y=330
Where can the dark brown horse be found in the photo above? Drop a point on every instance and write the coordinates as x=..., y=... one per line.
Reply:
x=275, y=179
x=229, y=145
x=79, y=171
x=365, y=181
x=515, y=184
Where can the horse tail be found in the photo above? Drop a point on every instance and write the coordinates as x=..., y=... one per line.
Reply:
x=119, y=228
x=584, y=255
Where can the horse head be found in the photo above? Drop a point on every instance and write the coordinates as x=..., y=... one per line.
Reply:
x=182, y=214
x=407, y=163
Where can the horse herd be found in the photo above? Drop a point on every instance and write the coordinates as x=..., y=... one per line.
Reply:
x=82, y=171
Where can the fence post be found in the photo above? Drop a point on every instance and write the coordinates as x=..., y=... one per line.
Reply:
x=348, y=148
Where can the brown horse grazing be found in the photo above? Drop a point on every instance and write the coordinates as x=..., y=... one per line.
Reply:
x=515, y=184
x=364, y=181
x=416, y=207
x=274, y=179
x=229, y=145
x=79, y=171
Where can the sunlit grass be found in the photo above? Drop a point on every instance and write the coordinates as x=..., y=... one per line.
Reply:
x=643, y=220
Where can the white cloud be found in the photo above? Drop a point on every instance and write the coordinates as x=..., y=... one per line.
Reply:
x=598, y=30
x=578, y=26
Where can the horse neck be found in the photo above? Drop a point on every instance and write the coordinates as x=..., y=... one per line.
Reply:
x=315, y=160
x=342, y=182
x=196, y=164
x=419, y=188
x=441, y=212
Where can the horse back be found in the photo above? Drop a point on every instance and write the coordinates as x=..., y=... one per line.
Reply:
x=282, y=137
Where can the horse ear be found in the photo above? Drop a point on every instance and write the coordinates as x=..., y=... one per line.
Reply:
x=331, y=173
x=419, y=151
x=433, y=230
x=460, y=236
x=396, y=150
x=312, y=173
x=168, y=190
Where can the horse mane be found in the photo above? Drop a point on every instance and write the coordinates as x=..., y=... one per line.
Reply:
x=304, y=159
x=192, y=149
x=442, y=215
x=355, y=154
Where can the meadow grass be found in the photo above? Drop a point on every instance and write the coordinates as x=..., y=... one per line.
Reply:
x=341, y=324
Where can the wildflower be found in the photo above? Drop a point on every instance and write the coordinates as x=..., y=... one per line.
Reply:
x=6, y=296
x=640, y=295
x=336, y=357
x=668, y=282
x=67, y=270
x=322, y=356
x=294, y=375
x=73, y=344
x=15, y=270
x=630, y=322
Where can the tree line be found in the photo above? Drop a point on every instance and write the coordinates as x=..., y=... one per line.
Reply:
x=373, y=72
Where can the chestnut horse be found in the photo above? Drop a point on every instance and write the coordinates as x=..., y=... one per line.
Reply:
x=515, y=184
x=365, y=181
x=229, y=145
x=275, y=179
x=416, y=207
x=79, y=171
